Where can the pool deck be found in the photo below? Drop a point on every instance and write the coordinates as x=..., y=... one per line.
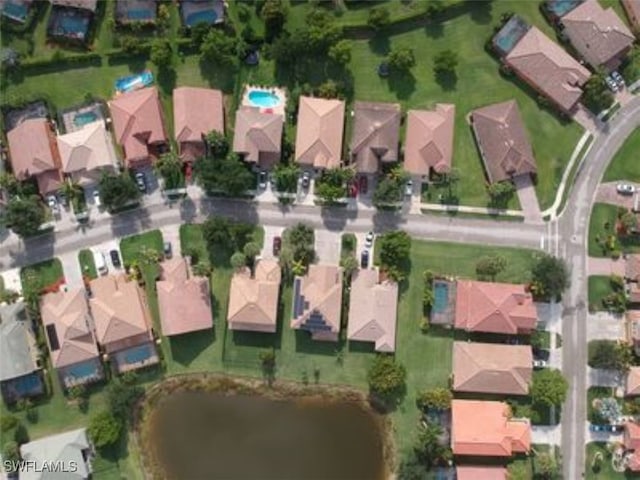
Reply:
x=278, y=109
x=69, y=115
x=121, y=365
x=446, y=317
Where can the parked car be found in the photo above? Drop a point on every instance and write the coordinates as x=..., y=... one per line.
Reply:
x=408, y=188
x=352, y=189
x=53, y=203
x=541, y=354
x=141, y=182
x=611, y=84
x=625, y=189
x=368, y=240
x=115, y=258
x=277, y=245
x=100, y=263
x=168, y=251
x=615, y=75
x=96, y=198
x=539, y=364
x=363, y=184
x=306, y=180
x=596, y=428
x=614, y=428
x=364, y=259
x=262, y=179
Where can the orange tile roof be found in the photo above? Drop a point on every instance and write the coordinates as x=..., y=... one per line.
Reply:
x=632, y=435
x=253, y=301
x=319, y=135
x=632, y=384
x=632, y=8
x=137, y=122
x=492, y=368
x=493, y=307
x=258, y=136
x=68, y=312
x=548, y=68
x=184, y=300
x=493, y=433
x=464, y=472
x=375, y=136
x=429, y=140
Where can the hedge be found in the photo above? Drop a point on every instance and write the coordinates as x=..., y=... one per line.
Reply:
x=64, y=59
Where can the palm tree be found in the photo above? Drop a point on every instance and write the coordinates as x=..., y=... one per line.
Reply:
x=72, y=190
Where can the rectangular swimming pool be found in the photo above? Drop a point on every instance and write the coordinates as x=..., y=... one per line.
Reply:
x=561, y=7
x=441, y=296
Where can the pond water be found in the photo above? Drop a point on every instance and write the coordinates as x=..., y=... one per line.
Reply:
x=209, y=435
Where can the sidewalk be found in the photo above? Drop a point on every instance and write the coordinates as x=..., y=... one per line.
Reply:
x=546, y=435
x=605, y=266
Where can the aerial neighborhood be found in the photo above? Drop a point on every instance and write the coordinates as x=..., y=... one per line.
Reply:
x=399, y=237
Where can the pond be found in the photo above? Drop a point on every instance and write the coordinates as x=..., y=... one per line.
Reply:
x=211, y=435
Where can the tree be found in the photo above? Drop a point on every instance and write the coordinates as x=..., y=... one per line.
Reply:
x=104, y=429
x=268, y=364
x=596, y=95
x=340, y=52
x=429, y=447
x=631, y=67
x=500, y=193
x=395, y=248
x=550, y=277
x=10, y=456
x=228, y=176
x=198, y=33
x=72, y=190
x=217, y=144
x=322, y=32
x=545, y=464
x=251, y=250
x=349, y=263
x=434, y=8
x=378, y=17
x=161, y=54
x=218, y=48
x=300, y=241
x=549, y=387
x=273, y=14
x=628, y=222
x=436, y=398
x=603, y=354
x=445, y=63
x=286, y=177
x=489, y=266
x=24, y=215
x=122, y=395
x=202, y=269
x=169, y=166
x=332, y=185
x=116, y=191
x=386, y=377
x=9, y=183
x=401, y=59
x=238, y=260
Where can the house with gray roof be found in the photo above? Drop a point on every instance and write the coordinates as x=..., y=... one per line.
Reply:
x=20, y=374
x=71, y=451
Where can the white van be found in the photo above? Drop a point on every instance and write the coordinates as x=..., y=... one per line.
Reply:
x=101, y=264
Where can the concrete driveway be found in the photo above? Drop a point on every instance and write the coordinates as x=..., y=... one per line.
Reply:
x=328, y=246
x=528, y=198
x=105, y=248
x=605, y=326
x=12, y=280
x=270, y=233
x=607, y=193
x=71, y=269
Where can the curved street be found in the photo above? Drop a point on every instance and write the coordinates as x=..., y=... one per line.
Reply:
x=565, y=236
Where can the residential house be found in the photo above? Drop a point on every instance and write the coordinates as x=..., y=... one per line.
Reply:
x=632, y=325
x=632, y=9
x=503, y=141
x=65, y=450
x=122, y=322
x=71, y=19
x=428, y=146
x=129, y=11
x=597, y=34
x=487, y=429
x=196, y=112
x=87, y=154
x=317, y=302
x=548, y=69
x=20, y=372
x=253, y=299
x=139, y=126
x=631, y=441
x=373, y=310
x=376, y=135
x=34, y=153
x=494, y=308
x=16, y=10
x=484, y=472
x=319, y=134
x=258, y=137
x=632, y=383
x=184, y=300
x=492, y=368
x=89, y=5
x=193, y=12
x=632, y=277
x=70, y=337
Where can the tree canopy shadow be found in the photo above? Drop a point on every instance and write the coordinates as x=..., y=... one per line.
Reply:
x=447, y=80
x=186, y=348
x=379, y=44
x=434, y=29
x=403, y=84
x=480, y=11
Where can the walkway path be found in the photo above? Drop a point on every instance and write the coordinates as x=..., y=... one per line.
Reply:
x=528, y=198
x=605, y=266
x=71, y=269
x=597, y=377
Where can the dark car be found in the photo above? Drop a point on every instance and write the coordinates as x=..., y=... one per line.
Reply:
x=277, y=244
x=362, y=184
x=168, y=251
x=541, y=354
x=115, y=258
x=364, y=259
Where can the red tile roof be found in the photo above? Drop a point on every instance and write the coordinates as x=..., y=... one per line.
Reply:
x=481, y=473
x=319, y=135
x=429, y=142
x=632, y=8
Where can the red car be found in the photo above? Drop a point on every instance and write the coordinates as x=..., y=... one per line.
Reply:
x=363, y=184
x=277, y=244
x=352, y=190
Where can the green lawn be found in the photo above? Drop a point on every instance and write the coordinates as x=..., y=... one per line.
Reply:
x=625, y=165
x=599, y=287
x=605, y=471
x=47, y=272
x=88, y=266
x=602, y=224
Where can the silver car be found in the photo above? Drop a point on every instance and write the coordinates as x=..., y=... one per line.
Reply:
x=625, y=189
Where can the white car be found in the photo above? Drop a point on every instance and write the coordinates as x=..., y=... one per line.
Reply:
x=368, y=240
x=96, y=198
x=53, y=203
x=538, y=364
x=625, y=189
x=408, y=188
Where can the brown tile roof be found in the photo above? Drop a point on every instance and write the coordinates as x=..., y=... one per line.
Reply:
x=489, y=434
x=632, y=384
x=85, y=153
x=633, y=293
x=464, y=472
x=84, y=4
x=492, y=368
x=320, y=295
x=68, y=312
x=548, y=68
x=137, y=122
x=632, y=442
x=429, y=142
x=184, y=301
x=34, y=153
x=493, y=307
x=597, y=34
x=119, y=311
x=258, y=136
x=373, y=309
x=319, y=136
x=375, y=137
x=503, y=141
x=632, y=8
x=253, y=302
x=196, y=112
x=632, y=267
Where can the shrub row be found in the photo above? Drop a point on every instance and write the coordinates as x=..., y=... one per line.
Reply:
x=62, y=59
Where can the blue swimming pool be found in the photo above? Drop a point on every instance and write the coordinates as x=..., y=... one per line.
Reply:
x=140, y=14
x=264, y=98
x=133, y=82
x=83, y=370
x=510, y=34
x=206, y=16
x=561, y=7
x=28, y=385
x=73, y=25
x=82, y=119
x=15, y=11
x=138, y=354
x=441, y=297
